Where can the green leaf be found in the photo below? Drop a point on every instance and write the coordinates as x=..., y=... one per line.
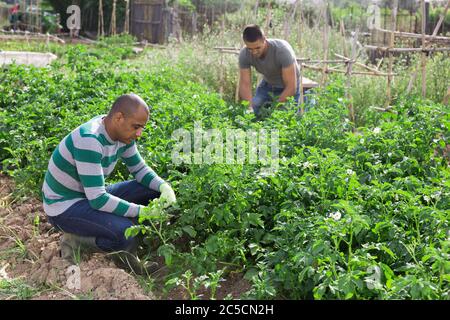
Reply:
x=190, y=231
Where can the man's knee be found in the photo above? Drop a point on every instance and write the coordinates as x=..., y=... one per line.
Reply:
x=118, y=241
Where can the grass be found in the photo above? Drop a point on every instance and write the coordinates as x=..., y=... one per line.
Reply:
x=16, y=289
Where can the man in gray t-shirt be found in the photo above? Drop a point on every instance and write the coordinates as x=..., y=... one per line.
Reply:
x=275, y=60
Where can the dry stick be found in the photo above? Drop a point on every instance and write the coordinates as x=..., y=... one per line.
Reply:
x=379, y=63
x=345, y=59
x=424, y=56
x=441, y=19
x=344, y=47
x=391, y=57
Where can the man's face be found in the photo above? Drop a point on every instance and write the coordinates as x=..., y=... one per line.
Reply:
x=257, y=48
x=130, y=128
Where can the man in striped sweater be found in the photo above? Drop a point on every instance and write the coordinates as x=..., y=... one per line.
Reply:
x=76, y=199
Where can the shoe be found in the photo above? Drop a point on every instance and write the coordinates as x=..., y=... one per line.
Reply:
x=71, y=246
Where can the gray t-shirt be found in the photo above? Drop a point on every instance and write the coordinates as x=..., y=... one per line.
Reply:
x=279, y=55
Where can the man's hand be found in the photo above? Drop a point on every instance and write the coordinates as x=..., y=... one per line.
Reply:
x=167, y=194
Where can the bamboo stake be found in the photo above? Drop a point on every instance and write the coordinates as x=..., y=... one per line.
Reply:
x=400, y=34
x=101, y=28
x=385, y=49
x=348, y=94
x=268, y=19
x=126, y=28
x=447, y=97
x=113, y=19
x=325, y=46
x=300, y=29
x=331, y=70
x=357, y=63
x=424, y=57
x=441, y=19
x=221, y=74
x=236, y=93
x=344, y=47
x=299, y=43
x=391, y=57
x=411, y=82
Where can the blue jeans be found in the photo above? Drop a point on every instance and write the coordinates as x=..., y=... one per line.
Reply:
x=265, y=93
x=107, y=228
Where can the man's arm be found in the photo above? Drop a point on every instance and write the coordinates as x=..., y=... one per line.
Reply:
x=139, y=169
x=146, y=176
x=290, y=82
x=245, y=85
x=88, y=155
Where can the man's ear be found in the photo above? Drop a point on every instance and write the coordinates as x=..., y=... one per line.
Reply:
x=118, y=117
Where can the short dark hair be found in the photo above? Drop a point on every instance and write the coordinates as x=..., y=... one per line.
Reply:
x=128, y=104
x=252, y=33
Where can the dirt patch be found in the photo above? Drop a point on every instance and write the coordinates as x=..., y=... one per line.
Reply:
x=29, y=250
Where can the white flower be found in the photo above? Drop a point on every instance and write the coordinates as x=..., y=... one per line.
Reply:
x=377, y=130
x=335, y=215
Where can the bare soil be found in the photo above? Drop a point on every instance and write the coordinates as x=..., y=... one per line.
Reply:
x=29, y=250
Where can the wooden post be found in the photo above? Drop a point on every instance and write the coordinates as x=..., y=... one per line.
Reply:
x=236, y=93
x=424, y=56
x=325, y=46
x=391, y=58
x=441, y=19
x=268, y=19
x=344, y=46
x=349, y=79
x=447, y=97
x=113, y=19
x=38, y=16
x=300, y=30
x=302, y=109
x=299, y=42
x=126, y=27
x=101, y=28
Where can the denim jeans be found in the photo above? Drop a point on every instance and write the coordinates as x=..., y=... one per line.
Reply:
x=265, y=93
x=107, y=228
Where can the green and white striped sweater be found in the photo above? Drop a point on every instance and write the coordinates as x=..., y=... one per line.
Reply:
x=81, y=162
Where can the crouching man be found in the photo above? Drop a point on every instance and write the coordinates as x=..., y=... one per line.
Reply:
x=77, y=202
